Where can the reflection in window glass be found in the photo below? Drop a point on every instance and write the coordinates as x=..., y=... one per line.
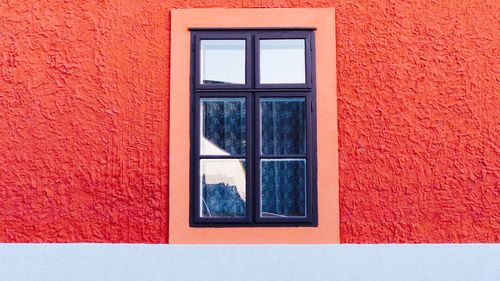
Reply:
x=223, y=188
x=283, y=126
x=222, y=62
x=282, y=61
x=283, y=183
x=223, y=126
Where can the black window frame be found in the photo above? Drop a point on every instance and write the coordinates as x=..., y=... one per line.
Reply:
x=252, y=91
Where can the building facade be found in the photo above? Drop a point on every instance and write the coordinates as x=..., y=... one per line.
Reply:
x=90, y=152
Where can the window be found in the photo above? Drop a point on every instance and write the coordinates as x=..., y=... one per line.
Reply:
x=186, y=85
x=253, y=136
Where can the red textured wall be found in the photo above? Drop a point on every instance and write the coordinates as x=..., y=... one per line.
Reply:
x=84, y=114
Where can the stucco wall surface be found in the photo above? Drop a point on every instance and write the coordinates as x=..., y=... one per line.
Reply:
x=83, y=119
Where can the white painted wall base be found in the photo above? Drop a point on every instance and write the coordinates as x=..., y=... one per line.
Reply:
x=86, y=262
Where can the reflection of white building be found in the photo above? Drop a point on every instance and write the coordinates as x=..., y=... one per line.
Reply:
x=228, y=171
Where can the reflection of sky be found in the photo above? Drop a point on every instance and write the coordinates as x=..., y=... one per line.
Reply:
x=282, y=61
x=223, y=61
x=228, y=171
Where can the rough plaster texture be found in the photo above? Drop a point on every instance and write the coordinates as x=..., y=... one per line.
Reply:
x=83, y=119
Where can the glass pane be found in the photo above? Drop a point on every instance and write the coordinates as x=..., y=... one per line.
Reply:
x=283, y=183
x=223, y=126
x=283, y=126
x=222, y=62
x=223, y=188
x=282, y=61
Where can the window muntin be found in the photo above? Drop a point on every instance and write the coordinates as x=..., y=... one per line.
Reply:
x=265, y=128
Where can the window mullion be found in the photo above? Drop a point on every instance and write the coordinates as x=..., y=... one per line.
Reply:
x=253, y=135
x=256, y=156
x=251, y=157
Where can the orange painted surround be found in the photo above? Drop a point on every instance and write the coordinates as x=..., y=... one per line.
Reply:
x=328, y=189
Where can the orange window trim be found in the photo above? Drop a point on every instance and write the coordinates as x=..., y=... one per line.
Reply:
x=328, y=229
